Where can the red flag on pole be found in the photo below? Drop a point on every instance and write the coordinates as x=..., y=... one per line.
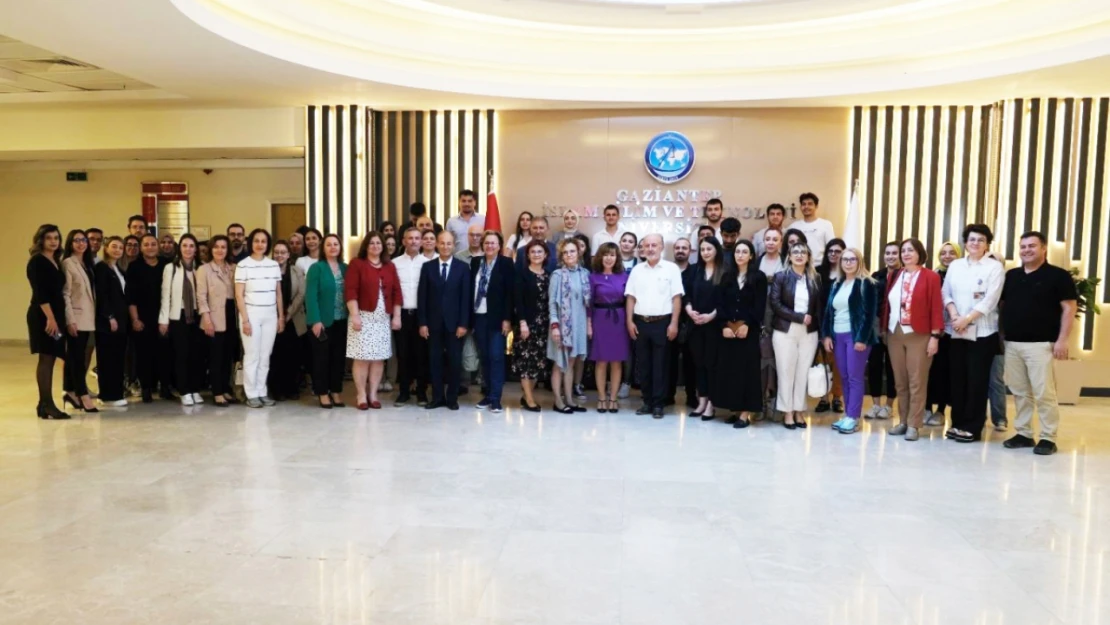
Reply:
x=493, y=216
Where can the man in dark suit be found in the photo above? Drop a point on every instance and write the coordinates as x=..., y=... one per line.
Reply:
x=539, y=232
x=443, y=312
x=491, y=292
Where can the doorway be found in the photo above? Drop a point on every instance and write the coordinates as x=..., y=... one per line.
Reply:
x=286, y=218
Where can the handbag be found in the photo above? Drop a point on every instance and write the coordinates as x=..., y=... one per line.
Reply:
x=819, y=380
x=684, y=328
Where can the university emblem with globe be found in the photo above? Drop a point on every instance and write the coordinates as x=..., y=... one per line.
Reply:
x=669, y=157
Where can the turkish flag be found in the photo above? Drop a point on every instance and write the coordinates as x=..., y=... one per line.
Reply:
x=493, y=216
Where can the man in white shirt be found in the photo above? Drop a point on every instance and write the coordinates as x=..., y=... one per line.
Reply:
x=612, y=231
x=468, y=216
x=714, y=213
x=412, y=349
x=776, y=214
x=654, y=300
x=818, y=231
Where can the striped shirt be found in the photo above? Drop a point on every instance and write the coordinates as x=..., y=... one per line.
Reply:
x=260, y=279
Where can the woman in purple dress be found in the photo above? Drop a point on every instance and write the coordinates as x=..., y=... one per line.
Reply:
x=609, y=348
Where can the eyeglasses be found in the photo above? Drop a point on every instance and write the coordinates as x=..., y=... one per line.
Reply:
x=799, y=253
x=849, y=259
x=80, y=240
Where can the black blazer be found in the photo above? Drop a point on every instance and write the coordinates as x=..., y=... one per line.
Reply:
x=499, y=292
x=441, y=305
x=747, y=304
x=111, y=300
x=526, y=294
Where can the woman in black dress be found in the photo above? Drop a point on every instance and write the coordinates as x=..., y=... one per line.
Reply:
x=531, y=312
x=46, y=316
x=153, y=353
x=743, y=301
x=700, y=302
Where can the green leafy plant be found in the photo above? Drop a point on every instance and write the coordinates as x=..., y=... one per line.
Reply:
x=1086, y=288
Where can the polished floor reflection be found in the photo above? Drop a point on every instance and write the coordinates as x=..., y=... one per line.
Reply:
x=298, y=515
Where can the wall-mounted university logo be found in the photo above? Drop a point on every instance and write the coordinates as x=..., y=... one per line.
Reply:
x=669, y=157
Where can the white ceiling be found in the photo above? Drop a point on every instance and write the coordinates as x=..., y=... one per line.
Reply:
x=564, y=53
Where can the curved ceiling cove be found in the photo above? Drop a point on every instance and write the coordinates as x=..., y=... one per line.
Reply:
x=672, y=52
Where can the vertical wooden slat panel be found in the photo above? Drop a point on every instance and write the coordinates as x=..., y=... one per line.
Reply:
x=312, y=154
x=1081, y=182
x=869, y=220
x=1064, y=183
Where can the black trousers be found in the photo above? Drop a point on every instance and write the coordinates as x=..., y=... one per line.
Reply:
x=878, y=365
x=970, y=368
x=153, y=357
x=412, y=355
x=188, y=355
x=444, y=347
x=651, y=361
x=680, y=359
x=75, y=370
x=329, y=359
x=111, y=348
x=939, y=393
x=285, y=363
x=222, y=352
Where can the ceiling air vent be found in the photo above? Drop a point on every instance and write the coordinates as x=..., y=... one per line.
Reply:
x=61, y=64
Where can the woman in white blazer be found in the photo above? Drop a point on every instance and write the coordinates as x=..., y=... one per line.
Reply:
x=77, y=265
x=179, y=317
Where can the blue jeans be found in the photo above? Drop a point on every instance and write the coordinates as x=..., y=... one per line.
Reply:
x=997, y=391
x=491, y=354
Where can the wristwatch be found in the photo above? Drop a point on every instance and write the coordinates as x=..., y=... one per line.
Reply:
x=937, y=335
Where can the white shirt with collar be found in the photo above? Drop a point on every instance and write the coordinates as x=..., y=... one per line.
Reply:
x=975, y=285
x=441, y=265
x=408, y=271
x=654, y=288
x=603, y=236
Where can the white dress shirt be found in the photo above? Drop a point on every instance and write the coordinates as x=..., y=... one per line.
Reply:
x=408, y=270
x=975, y=285
x=654, y=288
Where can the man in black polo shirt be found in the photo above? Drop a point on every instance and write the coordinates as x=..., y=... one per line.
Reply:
x=1038, y=307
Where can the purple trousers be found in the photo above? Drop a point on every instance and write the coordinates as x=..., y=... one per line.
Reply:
x=852, y=365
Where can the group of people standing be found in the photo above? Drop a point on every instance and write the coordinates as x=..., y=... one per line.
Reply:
x=746, y=318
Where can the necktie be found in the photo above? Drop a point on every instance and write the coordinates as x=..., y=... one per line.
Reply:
x=443, y=272
x=483, y=283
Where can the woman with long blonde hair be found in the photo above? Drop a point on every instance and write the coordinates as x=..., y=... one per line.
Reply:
x=796, y=303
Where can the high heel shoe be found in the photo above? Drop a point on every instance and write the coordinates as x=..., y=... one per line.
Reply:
x=66, y=399
x=323, y=405
x=709, y=415
x=564, y=409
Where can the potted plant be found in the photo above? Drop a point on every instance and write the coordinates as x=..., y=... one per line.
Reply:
x=1070, y=372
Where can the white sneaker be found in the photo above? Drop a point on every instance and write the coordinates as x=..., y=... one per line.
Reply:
x=186, y=400
x=873, y=413
x=119, y=403
x=934, y=418
x=386, y=387
x=624, y=391
x=197, y=399
x=884, y=413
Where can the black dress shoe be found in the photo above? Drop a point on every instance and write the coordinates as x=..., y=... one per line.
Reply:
x=657, y=413
x=741, y=423
x=453, y=405
x=708, y=417
x=645, y=409
x=822, y=406
x=575, y=408
x=535, y=408
x=838, y=406
x=564, y=410
x=432, y=405
x=1017, y=441
x=1045, y=448
x=789, y=426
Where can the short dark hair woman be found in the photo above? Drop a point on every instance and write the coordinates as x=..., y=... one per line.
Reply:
x=530, y=293
x=326, y=316
x=216, y=303
x=373, y=294
x=80, y=298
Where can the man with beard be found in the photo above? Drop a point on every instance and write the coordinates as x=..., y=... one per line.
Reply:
x=714, y=213
x=238, y=237
x=678, y=350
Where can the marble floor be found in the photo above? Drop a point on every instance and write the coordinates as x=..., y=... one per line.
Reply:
x=160, y=514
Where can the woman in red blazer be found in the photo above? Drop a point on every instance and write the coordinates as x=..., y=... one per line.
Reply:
x=912, y=321
x=372, y=292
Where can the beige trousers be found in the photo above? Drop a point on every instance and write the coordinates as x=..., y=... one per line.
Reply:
x=1032, y=380
x=910, y=361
